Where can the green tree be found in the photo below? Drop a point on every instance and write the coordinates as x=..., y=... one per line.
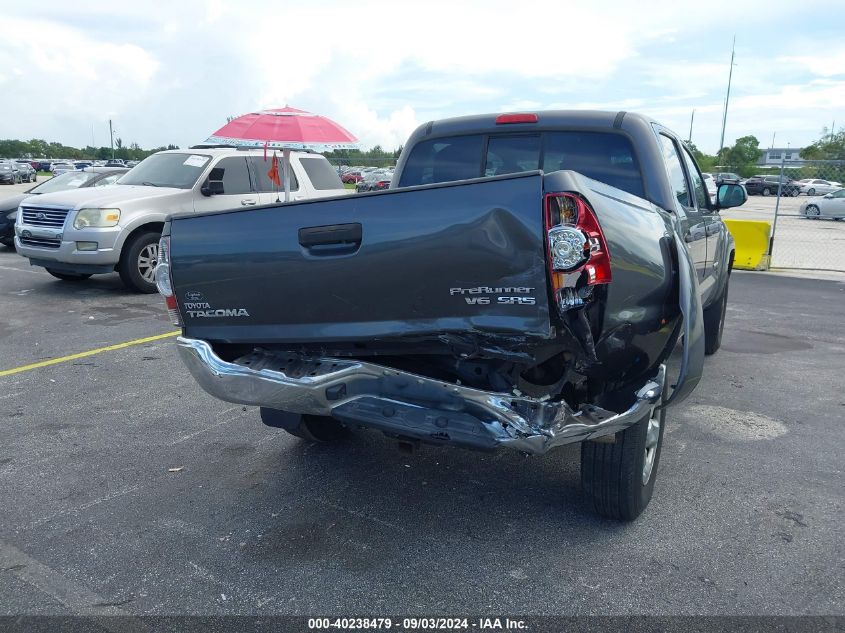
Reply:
x=831, y=146
x=742, y=156
x=705, y=161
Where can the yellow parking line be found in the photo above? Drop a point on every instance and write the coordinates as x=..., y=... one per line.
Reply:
x=90, y=352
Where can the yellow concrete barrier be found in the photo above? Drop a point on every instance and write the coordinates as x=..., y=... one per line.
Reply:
x=752, y=243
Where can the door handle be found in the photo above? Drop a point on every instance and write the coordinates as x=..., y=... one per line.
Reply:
x=344, y=235
x=246, y=202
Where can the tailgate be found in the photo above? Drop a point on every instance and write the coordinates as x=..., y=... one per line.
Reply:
x=451, y=258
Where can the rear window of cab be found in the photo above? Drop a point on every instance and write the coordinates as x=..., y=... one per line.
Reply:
x=604, y=156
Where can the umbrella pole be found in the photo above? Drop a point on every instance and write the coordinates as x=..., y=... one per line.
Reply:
x=286, y=160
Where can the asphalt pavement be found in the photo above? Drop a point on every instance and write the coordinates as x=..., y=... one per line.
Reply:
x=126, y=489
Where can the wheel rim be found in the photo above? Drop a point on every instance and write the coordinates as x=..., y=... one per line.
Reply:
x=813, y=211
x=652, y=439
x=811, y=192
x=765, y=192
x=147, y=260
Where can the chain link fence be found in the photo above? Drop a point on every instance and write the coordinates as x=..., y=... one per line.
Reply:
x=805, y=204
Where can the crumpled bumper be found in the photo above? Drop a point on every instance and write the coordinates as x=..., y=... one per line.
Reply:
x=406, y=404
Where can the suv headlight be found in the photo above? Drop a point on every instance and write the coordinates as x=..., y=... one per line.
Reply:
x=97, y=218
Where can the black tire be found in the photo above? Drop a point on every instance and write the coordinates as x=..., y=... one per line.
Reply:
x=714, y=320
x=766, y=191
x=812, y=212
x=68, y=276
x=8, y=242
x=811, y=192
x=314, y=428
x=133, y=267
x=612, y=473
x=794, y=193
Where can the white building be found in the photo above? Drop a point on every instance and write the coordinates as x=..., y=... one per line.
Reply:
x=790, y=155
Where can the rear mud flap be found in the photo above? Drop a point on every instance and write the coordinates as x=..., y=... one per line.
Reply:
x=689, y=300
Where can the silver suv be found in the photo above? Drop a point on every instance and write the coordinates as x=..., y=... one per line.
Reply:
x=79, y=233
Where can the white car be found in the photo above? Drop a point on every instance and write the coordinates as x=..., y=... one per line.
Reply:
x=817, y=186
x=58, y=169
x=82, y=232
x=831, y=205
x=712, y=189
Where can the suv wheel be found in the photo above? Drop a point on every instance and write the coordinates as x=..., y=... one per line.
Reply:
x=138, y=261
x=766, y=191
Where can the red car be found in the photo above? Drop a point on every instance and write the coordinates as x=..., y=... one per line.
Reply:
x=352, y=176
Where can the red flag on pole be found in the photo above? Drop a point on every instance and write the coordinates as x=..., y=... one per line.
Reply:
x=273, y=174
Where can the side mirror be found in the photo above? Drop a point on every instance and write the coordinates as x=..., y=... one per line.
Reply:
x=730, y=195
x=214, y=185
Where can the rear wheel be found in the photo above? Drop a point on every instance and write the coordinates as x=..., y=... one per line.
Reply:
x=811, y=192
x=68, y=276
x=767, y=191
x=138, y=262
x=618, y=477
x=714, y=321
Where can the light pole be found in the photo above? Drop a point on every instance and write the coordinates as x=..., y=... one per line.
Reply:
x=691, y=118
x=727, y=96
x=111, y=136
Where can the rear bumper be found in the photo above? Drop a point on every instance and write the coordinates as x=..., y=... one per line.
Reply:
x=406, y=404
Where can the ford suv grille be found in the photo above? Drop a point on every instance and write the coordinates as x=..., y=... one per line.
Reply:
x=43, y=216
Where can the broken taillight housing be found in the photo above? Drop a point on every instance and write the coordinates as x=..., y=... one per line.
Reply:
x=164, y=281
x=575, y=241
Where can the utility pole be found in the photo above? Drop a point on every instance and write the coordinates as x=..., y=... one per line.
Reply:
x=774, y=134
x=727, y=96
x=111, y=136
x=692, y=116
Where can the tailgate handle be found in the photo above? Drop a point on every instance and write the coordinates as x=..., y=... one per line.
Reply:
x=340, y=234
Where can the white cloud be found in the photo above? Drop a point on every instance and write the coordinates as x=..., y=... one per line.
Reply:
x=171, y=72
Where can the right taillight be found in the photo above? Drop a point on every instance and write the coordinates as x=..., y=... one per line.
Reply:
x=164, y=281
x=575, y=241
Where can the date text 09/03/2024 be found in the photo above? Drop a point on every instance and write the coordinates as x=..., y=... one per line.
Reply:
x=412, y=624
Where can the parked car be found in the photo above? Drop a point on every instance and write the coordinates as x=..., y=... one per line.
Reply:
x=44, y=165
x=768, y=186
x=374, y=181
x=115, y=162
x=82, y=164
x=817, y=186
x=92, y=177
x=27, y=173
x=57, y=169
x=352, y=176
x=9, y=172
x=521, y=310
x=710, y=183
x=727, y=177
x=831, y=205
x=117, y=228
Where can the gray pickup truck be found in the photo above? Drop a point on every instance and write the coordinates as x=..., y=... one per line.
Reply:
x=521, y=285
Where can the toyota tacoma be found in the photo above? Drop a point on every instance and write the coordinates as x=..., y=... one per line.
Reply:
x=521, y=285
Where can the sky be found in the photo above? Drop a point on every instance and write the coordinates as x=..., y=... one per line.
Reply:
x=171, y=72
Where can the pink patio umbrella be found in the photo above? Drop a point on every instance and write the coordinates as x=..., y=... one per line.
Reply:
x=286, y=129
